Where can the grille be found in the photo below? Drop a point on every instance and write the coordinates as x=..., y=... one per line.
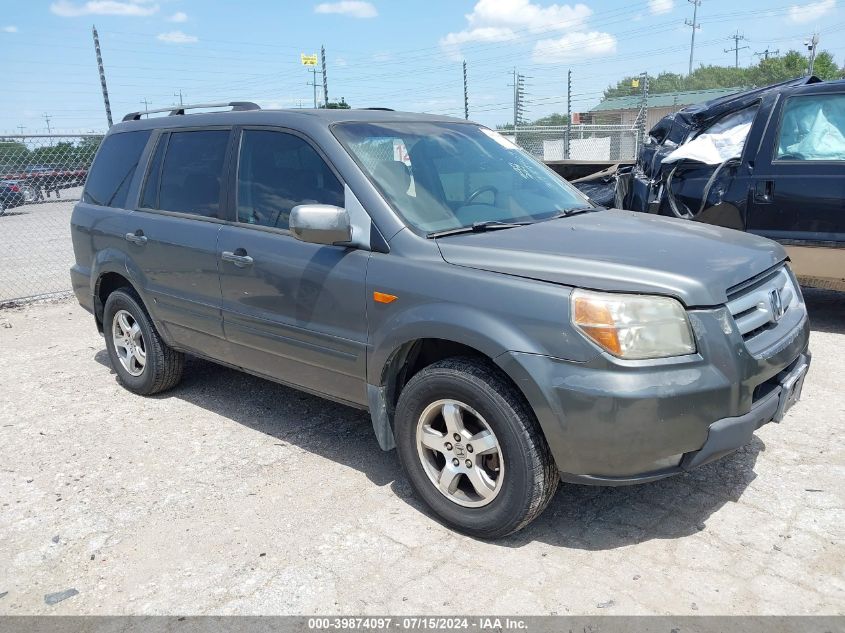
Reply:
x=760, y=306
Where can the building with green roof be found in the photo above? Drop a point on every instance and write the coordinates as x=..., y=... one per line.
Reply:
x=624, y=110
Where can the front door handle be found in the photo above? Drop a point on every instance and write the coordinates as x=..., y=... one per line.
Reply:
x=764, y=191
x=137, y=237
x=239, y=258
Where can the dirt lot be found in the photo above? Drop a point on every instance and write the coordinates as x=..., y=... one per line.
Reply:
x=232, y=494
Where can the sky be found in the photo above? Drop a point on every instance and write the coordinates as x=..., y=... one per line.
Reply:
x=401, y=54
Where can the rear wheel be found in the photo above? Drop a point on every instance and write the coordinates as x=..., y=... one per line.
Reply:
x=143, y=362
x=472, y=448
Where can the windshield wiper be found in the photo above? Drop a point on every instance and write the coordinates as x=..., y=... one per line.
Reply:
x=565, y=213
x=478, y=227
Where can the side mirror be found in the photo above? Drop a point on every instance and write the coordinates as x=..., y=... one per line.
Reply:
x=320, y=224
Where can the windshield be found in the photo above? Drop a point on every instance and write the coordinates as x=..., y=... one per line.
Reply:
x=443, y=176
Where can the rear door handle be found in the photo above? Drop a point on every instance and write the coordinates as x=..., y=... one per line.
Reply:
x=137, y=237
x=239, y=258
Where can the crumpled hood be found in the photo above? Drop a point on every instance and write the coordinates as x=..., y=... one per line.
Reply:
x=621, y=251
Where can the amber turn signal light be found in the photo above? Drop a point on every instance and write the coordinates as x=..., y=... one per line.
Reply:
x=383, y=297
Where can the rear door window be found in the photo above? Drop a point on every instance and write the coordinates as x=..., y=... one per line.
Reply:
x=113, y=169
x=191, y=175
x=278, y=171
x=812, y=128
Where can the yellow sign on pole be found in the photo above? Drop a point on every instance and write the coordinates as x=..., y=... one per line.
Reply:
x=635, y=83
x=308, y=60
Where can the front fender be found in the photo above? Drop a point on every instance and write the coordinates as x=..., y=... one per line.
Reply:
x=462, y=324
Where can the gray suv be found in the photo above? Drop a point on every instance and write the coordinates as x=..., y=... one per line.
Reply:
x=503, y=332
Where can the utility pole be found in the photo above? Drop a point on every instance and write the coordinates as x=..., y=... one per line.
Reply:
x=566, y=145
x=737, y=38
x=518, y=98
x=146, y=107
x=642, y=124
x=21, y=128
x=313, y=83
x=695, y=26
x=466, y=93
x=102, y=74
x=179, y=94
x=765, y=54
x=812, y=44
x=47, y=120
x=325, y=77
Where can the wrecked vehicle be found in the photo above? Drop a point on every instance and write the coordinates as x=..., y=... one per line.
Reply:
x=769, y=161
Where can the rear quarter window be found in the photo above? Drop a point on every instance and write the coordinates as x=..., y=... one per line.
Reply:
x=114, y=167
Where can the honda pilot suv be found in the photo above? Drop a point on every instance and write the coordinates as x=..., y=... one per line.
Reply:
x=503, y=332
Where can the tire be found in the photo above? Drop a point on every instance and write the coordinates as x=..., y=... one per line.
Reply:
x=523, y=471
x=162, y=366
x=30, y=194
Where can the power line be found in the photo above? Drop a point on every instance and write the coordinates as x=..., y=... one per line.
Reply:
x=47, y=120
x=695, y=25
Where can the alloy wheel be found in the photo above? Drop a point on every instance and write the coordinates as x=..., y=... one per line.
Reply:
x=460, y=453
x=129, y=343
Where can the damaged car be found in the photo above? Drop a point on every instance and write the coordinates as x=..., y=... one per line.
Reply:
x=769, y=161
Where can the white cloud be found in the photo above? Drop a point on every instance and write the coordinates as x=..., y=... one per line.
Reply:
x=660, y=6
x=352, y=8
x=803, y=13
x=179, y=16
x=505, y=20
x=136, y=8
x=341, y=61
x=574, y=46
x=10, y=29
x=177, y=37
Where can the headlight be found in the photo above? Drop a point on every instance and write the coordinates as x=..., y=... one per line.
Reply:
x=633, y=326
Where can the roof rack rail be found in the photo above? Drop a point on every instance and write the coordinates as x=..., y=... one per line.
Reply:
x=237, y=106
x=381, y=109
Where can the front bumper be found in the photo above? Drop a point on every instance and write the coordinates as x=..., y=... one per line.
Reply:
x=612, y=422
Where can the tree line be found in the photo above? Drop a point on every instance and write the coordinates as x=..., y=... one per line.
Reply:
x=13, y=153
x=768, y=71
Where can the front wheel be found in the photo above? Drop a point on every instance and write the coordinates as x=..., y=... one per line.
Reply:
x=472, y=448
x=143, y=362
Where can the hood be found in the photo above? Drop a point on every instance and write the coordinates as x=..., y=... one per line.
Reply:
x=621, y=251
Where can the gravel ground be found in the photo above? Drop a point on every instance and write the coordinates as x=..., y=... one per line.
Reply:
x=231, y=494
x=35, y=248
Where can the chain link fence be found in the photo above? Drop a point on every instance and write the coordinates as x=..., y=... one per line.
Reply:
x=41, y=177
x=578, y=142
